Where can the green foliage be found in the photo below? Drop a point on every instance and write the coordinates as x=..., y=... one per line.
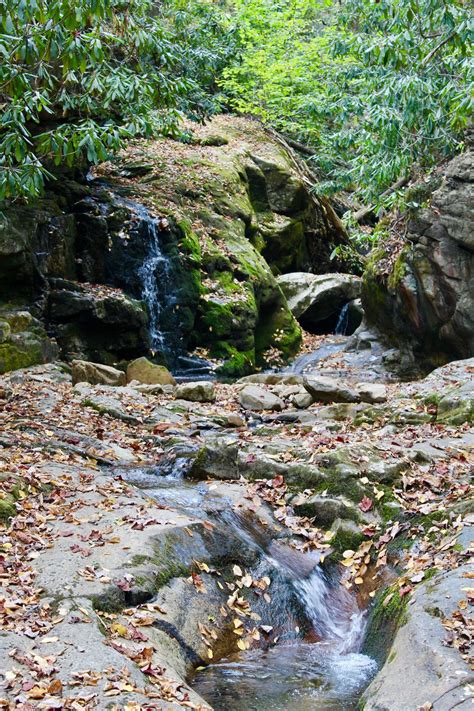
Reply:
x=376, y=88
x=78, y=78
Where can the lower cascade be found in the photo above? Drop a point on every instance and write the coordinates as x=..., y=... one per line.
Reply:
x=316, y=661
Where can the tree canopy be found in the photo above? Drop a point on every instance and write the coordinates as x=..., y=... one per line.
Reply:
x=374, y=88
x=78, y=78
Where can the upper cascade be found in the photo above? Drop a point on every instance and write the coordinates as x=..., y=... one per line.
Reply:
x=169, y=249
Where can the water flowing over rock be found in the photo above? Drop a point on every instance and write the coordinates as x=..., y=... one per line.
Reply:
x=425, y=303
x=176, y=257
x=320, y=302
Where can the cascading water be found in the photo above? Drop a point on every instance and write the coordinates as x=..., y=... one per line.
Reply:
x=155, y=278
x=147, y=264
x=317, y=663
x=342, y=321
x=157, y=288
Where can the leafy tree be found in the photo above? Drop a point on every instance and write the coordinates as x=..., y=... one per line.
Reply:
x=77, y=78
x=375, y=87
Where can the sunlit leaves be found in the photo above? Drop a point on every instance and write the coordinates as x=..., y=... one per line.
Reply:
x=374, y=87
x=77, y=78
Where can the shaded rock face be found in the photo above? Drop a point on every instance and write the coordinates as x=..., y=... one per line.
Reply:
x=426, y=304
x=316, y=300
x=95, y=322
x=225, y=216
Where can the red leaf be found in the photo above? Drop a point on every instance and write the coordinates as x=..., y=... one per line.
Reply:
x=366, y=504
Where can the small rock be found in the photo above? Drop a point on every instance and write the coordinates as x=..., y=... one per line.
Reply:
x=286, y=391
x=96, y=374
x=200, y=391
x=255, y=398
x=325, y=389
x=148, y=389
x=346, y=534
x=302, y=400
x=326, y=509
x=234, y=420
x=5, y=392
x=149, y=373
x=371, y=392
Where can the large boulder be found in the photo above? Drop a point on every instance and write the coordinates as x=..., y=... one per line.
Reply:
x=239, y=213
x=432, y=670
x=149, y=373
x=420, y=292
x=253, y=397
x=23, y=340
x=316, y=300
x=96, y=322
x=324, y=389
x=196, y=231
x=96, y=374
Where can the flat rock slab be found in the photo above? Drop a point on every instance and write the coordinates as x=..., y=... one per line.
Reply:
x=420, y=669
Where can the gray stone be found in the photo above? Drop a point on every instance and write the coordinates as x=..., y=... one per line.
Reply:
x=200, y=391
x=254, y=398
x=313, y=298
x=325, y=509
x=96, y=374
x=420, y=669
x=302, y=400
x=426, y=304
x=325, y=389
x=371, y=392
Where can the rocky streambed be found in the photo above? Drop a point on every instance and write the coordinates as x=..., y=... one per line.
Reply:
x=282, y=541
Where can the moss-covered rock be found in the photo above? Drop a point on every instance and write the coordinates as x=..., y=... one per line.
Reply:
x=229, y=210
x=244, y=214
x=23, y=340
x=418, y=291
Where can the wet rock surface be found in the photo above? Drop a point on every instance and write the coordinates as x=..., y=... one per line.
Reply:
x=316, y=300
x=143, y=514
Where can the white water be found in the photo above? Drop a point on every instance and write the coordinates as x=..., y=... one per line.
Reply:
x=156, y=283
x=342, y=321
x=333, y=612
x=293, y=675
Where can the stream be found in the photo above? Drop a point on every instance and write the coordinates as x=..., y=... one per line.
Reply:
x=316, y=660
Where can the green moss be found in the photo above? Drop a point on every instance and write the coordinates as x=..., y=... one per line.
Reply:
x=7, y=508
x=277, y=329
x=345, y=538
x=173, y=570
x=13, y=357
x=398, y=270
x=236, y=363
x=384, y=621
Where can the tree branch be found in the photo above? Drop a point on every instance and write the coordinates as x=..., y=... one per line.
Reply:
x=431, y=54
x=365, y=211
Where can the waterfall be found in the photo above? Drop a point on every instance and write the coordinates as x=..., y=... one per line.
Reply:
x=157, y=287
x=342, y=321
x=333, y=612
